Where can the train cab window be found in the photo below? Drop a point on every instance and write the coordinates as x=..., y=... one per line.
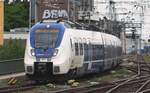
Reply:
x=46, y=38
x=76, y=49
x=81, y=49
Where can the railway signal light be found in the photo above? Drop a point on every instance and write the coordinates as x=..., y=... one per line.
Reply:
x=133, y=35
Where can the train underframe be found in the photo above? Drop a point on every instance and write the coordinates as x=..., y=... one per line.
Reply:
x=44, y=71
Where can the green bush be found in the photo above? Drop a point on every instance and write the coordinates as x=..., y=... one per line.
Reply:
x=16, y=15
x=12, y=49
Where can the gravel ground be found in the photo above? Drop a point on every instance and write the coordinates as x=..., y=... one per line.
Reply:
x=107, y=77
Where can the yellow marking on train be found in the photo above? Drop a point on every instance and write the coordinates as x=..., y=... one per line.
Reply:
x=12, y=81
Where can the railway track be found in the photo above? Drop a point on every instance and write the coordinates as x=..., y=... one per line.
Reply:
x=15, y=88
x=103, y=88
x=139, y=83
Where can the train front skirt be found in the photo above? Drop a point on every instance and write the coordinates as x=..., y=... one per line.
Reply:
x=43, y=69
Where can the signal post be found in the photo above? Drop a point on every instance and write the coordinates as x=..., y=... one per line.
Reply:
x=1, y=21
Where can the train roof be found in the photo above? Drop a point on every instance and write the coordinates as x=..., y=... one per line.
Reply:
x=71, y=25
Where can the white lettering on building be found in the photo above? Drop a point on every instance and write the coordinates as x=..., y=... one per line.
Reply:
x=55, y=14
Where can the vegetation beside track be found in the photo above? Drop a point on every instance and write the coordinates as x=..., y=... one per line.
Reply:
x=118, y=73
x=147, y=58
x=12, y=49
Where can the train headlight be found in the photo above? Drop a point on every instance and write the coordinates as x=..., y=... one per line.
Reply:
x=32, y=52
x=55, y=52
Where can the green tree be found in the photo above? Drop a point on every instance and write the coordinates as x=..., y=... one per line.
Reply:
x=16, y=15
x=6, y=1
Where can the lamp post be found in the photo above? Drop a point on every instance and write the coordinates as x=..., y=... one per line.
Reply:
x=68, y=9
x=141, y=16
x=123, y=36
x=134, y=39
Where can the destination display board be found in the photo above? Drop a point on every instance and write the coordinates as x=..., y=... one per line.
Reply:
x=52, y=9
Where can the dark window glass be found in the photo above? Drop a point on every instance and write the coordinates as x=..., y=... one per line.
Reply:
x=81, y=49
x=76, y=49
x=85, y=52
x=71, y=42
x=46, y=38
x=101, y=52
x=90, y=53
x=94, y=54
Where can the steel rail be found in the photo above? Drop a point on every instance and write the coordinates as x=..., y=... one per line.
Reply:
x=97, y=88
x=147, y=82
x=145, y=91
x=125, y=82
x=11, y=60
x=121, y=84
x=16, y=88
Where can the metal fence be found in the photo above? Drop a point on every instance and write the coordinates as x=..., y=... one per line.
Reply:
x=11, y=66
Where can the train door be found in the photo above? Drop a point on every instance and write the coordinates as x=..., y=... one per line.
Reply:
x=102, y=53
x=112, y=53
x=72, y=50
x=109, y=54
x=78, y=53
x=75, y=52
x=107, y=62
x=86, y=55
x=81, y=57
x=102, y=56
x=89, y=55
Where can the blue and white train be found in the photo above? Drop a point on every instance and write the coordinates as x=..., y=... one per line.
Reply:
x=55, y=49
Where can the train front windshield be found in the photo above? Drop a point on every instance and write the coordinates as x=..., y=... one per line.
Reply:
x=46, y=38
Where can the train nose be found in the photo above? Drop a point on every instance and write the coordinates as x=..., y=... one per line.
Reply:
x=44, y=53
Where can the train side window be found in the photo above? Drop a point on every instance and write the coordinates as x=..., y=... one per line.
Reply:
x=81, y=49
x=76, y=49
x=94, y=52
x=98, y=52
x=89, y=52
x=71, y=43
x=101, y=52
x=85, y=52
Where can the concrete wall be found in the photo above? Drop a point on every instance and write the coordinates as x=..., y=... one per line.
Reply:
x=8, y=35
